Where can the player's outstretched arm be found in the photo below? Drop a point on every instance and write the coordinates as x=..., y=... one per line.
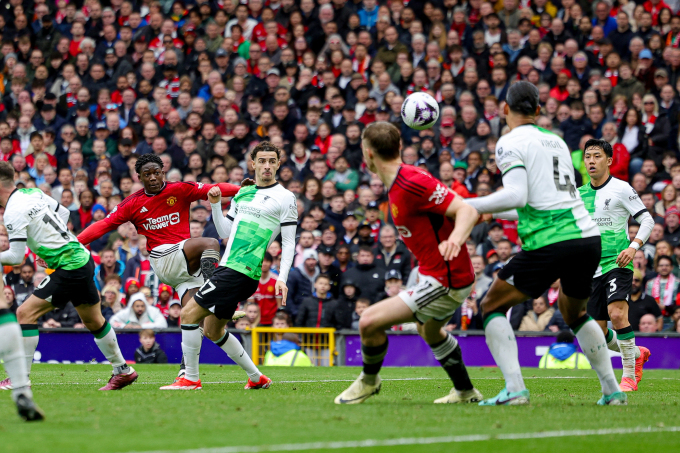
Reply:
x=228, y=190
x=95, y=231
x=466, y=218
x=222, y=224
x=514, y=194
x=507, y=215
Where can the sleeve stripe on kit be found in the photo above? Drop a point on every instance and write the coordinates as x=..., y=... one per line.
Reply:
x=18, y=240
x=399, y=183
x=57, y=208
x=230, y=217
x=410, y=184
x=289, y=224
x=639, y=213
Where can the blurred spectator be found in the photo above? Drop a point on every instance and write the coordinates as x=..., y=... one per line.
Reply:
x=266, y=296
x=314, y=310
x=253, y=314
x=392, y=254
x=563, y=354
x=641, y=303
x=23, y=286
x=366, y=274
x=664, y=287
x=139, y=314
x=109, y=265
x=286, y=352
x=326, y=258
x=301, y=280
x=361, y=305
x=165, y=293
x=538, y=318
x=149, y=351
x=173, y=313
x=648, y=324
x=61, y=317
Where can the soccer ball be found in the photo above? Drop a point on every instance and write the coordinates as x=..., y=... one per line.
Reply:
x=420, y=111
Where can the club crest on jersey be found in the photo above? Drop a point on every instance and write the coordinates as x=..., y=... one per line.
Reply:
x=438, y=195
x=171, y=201
x=395, y=211
x=9, y=227
x=606, y=204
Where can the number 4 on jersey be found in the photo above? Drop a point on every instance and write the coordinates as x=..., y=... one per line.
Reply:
x=568, y=186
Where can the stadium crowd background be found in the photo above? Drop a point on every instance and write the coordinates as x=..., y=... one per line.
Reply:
x=90, y=85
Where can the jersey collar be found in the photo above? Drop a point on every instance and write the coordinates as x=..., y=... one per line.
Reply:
x=267, y=187
x=165, y=183
x=10, y=195
x=600, y=187
x=395, y=178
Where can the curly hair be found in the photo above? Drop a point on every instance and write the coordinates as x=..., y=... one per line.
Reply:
x=145, y=159
x=265, y=147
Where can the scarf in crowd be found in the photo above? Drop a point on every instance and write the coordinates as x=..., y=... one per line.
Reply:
x=667, y=292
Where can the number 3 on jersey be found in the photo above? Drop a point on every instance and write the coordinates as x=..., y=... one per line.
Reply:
x=567, y=186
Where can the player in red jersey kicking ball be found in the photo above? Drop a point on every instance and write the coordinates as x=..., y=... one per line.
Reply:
x=424, y=211
x=160, y=212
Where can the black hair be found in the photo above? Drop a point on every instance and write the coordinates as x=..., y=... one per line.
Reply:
x=664, y=257
x=522, y=98
x=268, y=257
x=565, y=336
x=145, y=159
x=599, y=143
x=320, y=276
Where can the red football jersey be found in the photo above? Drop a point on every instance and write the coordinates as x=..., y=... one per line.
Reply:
x=265, y=296
x=418, y=203
x=163, y=218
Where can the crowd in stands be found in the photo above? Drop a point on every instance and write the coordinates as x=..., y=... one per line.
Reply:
x=89, y=85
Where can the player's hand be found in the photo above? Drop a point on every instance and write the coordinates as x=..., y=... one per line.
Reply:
x=625, y=257
x=215, y=195
x=449, y=250
x=486, y=218
x=281, y=290
x=247, y=182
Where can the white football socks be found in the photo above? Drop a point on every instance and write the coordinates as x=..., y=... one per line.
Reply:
x=191, y=349
x=503, y=346
x=592, y=342
x=12, y=354
x=108, y=344
x=235, y=351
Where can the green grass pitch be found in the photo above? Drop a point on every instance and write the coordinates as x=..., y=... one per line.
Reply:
x=298, y=409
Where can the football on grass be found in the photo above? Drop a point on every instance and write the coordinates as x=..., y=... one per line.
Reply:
x=420, y=111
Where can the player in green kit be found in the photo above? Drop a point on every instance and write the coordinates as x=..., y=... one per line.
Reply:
x=256, y=216
x=611, y=202
x=35, y=220
x=559, y=240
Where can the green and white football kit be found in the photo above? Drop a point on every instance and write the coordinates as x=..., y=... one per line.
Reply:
x=38, y=221
x=559, y=238
x=611, y=205
x=257, y=215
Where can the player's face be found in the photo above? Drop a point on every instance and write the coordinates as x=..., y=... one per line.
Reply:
x=596, y=162
x=266, y=164
x=152, y=177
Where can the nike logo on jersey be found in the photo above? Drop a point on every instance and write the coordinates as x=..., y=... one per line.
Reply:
x=143, y=210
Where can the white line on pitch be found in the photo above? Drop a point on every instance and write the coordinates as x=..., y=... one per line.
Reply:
x=424, y=440
x=320, y=381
